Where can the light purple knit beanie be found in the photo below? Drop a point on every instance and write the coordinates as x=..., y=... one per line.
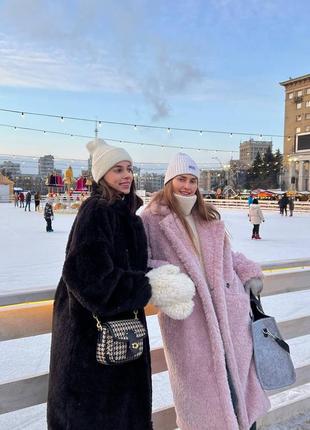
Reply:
x=181, y=164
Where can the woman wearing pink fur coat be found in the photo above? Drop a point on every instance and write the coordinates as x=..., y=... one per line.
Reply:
x=207, y=337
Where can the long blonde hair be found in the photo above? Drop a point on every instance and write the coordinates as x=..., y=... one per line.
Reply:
x=203, y=211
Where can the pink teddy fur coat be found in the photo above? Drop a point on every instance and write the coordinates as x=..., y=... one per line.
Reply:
x=219, y=327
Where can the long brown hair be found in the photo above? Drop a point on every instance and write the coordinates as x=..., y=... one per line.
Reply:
x=204, y=211
x=111, y=195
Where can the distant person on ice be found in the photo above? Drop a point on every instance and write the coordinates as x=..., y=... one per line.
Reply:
x=28, y=201
x=208, y=343
x=48, y=215
x=21, y=200
x=104, y=274
x=37, y=199
x=283, y=202
x=256, y=217
x=291, y=205
x=16, y=199
x=250, y=199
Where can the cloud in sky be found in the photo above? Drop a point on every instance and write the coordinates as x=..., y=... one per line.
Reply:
x=95, y=46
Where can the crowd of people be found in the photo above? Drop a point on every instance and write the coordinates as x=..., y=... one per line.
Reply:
x=256, y=216
x=20, y=199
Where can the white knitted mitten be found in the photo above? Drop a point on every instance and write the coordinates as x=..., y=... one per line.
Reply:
x=179, y=311
x=170, y=286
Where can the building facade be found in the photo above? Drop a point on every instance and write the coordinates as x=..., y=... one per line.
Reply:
x=46, y=165
x=10, y=169
x=31, y=182
x=150, y=182
x=249, y=149
x=211, y=180
x=297, y=133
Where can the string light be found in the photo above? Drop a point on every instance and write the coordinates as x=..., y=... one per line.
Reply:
x=192, y=130
x=62, y=119
x=130, y=142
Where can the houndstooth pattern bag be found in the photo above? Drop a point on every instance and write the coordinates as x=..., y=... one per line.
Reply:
x=119, y=341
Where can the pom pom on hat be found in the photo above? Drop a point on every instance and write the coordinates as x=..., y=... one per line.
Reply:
x=181, y=164
x=104, y=157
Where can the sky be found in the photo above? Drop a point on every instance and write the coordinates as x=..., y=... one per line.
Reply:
x=204, y=65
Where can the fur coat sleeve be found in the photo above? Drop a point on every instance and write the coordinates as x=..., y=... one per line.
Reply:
x=97, y=270
x=245, y=268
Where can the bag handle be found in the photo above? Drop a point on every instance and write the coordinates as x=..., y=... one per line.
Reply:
x=99, y=325
x=279, y=341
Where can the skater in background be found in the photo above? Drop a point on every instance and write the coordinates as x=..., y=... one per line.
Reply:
x=250, y=199
x=16, y=199
x=208, y=346
x=28, y=201
x=291, y=205
x=256, y=217
x=21, y=200
x=283, y=204
x=48, y=215
x=37, y=199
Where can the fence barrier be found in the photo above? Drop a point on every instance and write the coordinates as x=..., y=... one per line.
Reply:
x=29, y=313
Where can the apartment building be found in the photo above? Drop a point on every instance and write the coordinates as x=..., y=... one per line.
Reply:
x=297, y=133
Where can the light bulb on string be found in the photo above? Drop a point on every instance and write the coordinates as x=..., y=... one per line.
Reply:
x=23, y=114
x=99, y=124
x=135, y=127
x=62, y=119
x=230, y=135
x=200, y=132
x=168, y=130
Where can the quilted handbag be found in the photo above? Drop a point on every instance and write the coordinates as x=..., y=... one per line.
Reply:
x=119, y=341
x=274, y=366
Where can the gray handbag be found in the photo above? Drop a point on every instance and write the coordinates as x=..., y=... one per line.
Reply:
x=273, y=362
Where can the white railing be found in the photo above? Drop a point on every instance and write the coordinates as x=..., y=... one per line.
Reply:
x=19, y=318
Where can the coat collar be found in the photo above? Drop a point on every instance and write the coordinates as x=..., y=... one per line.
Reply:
x=211, y=235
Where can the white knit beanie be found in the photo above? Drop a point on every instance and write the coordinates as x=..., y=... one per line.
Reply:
x=181, y=164
x=104, y=157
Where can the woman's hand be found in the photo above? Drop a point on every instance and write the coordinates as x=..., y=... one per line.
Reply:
x=255, y=285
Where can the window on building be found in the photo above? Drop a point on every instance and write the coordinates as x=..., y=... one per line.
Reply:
x=299, y=93
x=291, y=95
x=307, y=128
x=298, y=105
x=297, y=129
x=308, y=103
x=298, y=117
x=308, y=90
x=307, y=116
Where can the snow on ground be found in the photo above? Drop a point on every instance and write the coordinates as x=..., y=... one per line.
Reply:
x=32, y=259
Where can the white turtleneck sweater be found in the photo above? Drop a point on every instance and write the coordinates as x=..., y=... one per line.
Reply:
x=186, y=204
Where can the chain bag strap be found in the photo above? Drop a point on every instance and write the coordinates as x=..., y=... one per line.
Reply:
x=119, y=341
